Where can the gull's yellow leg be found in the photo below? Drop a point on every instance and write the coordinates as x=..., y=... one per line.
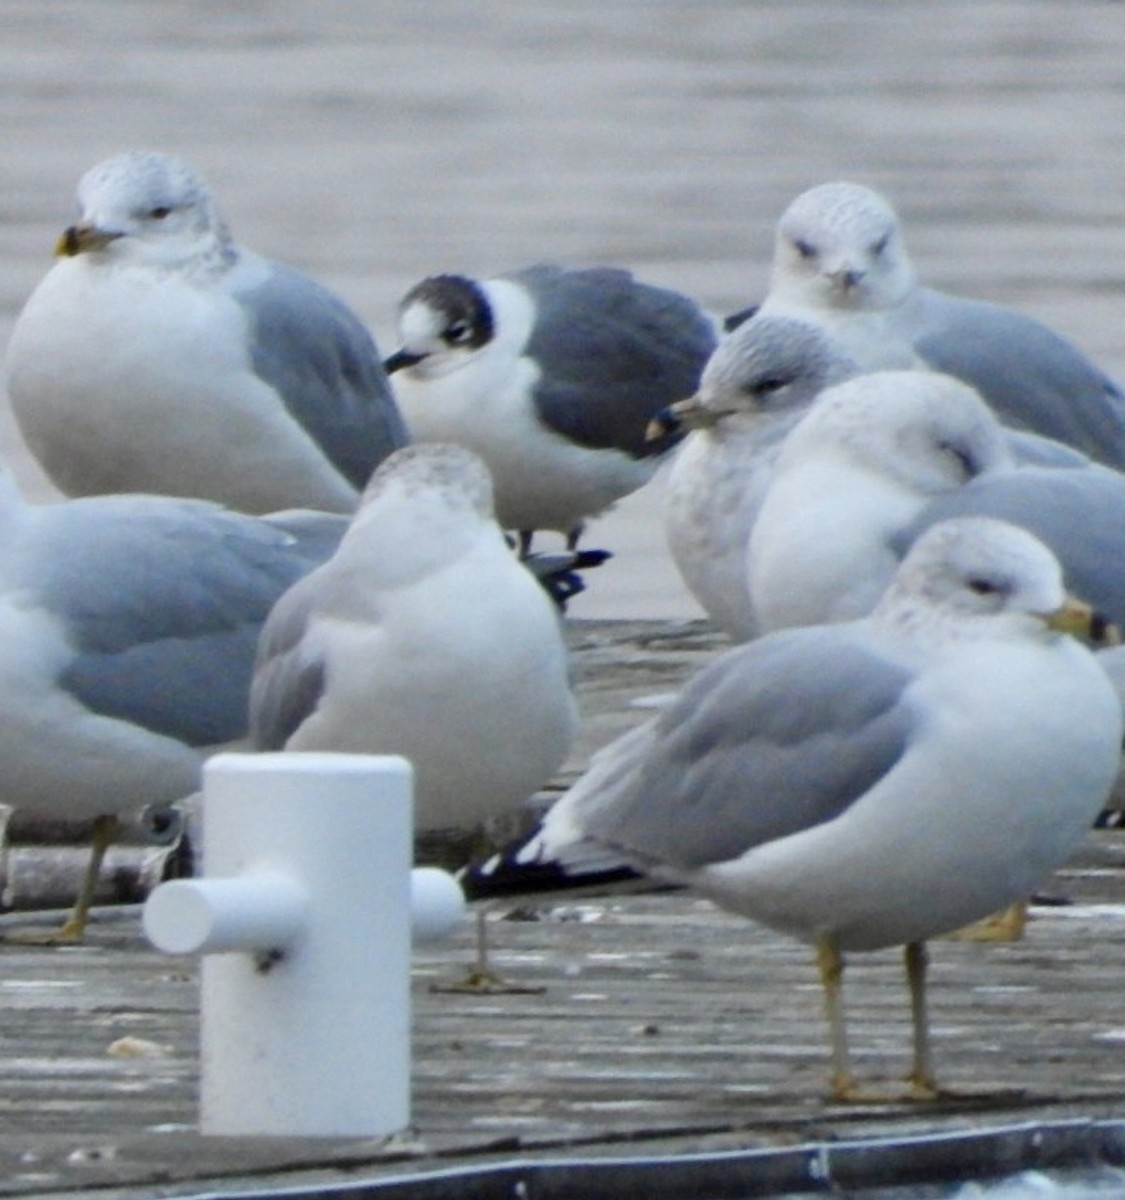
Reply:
x=73, y=929
x=844, y=1089
x=921, y=1077
x=1007, y=925
x=923, y=1082
x=482, y=979
x=830, y=964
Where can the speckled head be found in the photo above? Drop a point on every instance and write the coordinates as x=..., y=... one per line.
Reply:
x=841, y=210
x=773, y=362
x=979, y=566
x=846, y=240
x=148, y=198
x=454, y=473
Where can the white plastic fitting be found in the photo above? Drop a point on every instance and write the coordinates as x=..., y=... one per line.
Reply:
x=305, y=917
x=263, y=912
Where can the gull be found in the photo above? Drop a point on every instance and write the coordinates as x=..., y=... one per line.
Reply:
x=881, y=457
x=423, y=636
x=840, y=260
x=551, y=376
x=158, y=355
x=877, y=782
x=756, y=386
x=130, y=626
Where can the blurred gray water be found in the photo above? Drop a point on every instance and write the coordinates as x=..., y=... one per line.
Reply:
x=373, y=143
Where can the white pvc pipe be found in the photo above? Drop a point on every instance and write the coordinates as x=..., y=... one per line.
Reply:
x=311, y=1038
x=264, y=912
x=256, y=913
x=437, y=904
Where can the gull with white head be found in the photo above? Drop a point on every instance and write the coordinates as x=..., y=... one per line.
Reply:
x=159, y=355
x=881, y=457
x=840, y=261
x=423, y=636
x=756, y=386
x=873, y=783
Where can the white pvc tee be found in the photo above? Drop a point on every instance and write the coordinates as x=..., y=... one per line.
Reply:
x=305, y=917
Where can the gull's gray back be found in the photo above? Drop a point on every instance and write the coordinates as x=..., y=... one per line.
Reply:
x=1078, y=512
x=289, y=679
x=613, y=352
x=163, y=602
x=312, y=349
x=1030, y=376
x=773, y=738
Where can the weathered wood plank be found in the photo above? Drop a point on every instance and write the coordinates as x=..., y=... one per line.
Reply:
x=662, y=1022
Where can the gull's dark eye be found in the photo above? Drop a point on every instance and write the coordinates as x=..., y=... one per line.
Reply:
x=456, y=333
x=964, y=459
x=766, y=387
x=160, y=212
x=803, y=248
x=982, y=587
x=878, y=247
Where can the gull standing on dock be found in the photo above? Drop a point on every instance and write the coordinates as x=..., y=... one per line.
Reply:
x=881, y=457
x=759, y=382
x=425, y=636
x=873, y=783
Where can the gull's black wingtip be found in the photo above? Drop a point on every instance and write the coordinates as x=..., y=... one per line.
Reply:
x=559, y=572
x=731, y=323
x=504, y=877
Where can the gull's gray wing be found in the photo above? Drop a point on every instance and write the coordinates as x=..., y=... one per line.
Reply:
x=775, y=737
x=162, y=602
x=1031, y=377
x=613, y=352
x=310, y=347
x=289, y=677
x=317, y=534
x=1079, y=513
x=1033, y=449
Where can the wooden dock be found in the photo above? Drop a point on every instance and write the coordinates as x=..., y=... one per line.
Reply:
x=664, y=1026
